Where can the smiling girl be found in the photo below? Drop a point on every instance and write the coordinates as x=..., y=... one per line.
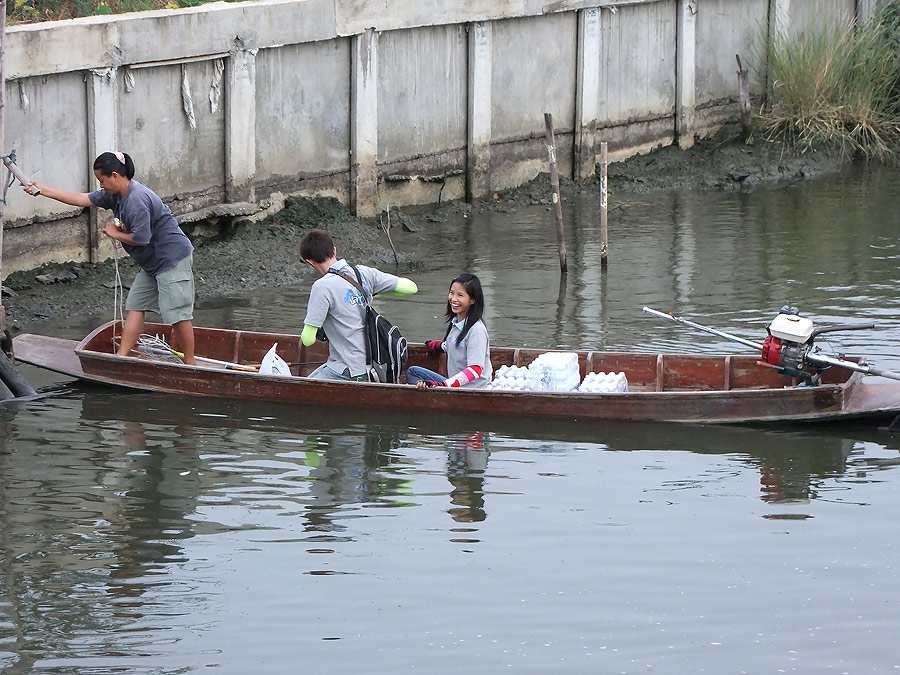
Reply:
x=466, y=341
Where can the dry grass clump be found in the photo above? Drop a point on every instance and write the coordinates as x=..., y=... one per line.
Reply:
x=838, y=85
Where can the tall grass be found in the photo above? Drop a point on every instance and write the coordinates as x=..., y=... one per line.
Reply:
x=837, y=85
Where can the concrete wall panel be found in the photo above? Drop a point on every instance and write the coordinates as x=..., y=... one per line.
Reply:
x=26, y=248
x=421, y=92
x=144, y=37
x=184, y=165
x=355, y=16
x=45, y=125
x=533, y=73
x=726, y=28
x=806, y=14
x=637, y=57
x=302, y=110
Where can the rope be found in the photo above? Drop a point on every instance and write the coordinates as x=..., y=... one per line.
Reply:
x=118, y=292
x=159, y=348
x=155, y=347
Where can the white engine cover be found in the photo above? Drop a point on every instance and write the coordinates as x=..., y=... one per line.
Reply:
x=791, y=328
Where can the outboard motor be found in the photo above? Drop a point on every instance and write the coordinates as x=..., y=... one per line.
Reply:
x=789, y=346
x=788, y=341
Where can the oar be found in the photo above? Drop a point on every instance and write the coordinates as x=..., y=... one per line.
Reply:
x=816, y=359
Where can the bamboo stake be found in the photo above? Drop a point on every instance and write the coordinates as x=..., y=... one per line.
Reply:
x=604, y=206
x=554, y=182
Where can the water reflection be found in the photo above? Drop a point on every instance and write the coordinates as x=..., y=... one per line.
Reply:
x=351, y=468
x=467, y=459
x=150, y=533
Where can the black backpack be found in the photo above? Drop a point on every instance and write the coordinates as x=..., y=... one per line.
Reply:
x=386, y=348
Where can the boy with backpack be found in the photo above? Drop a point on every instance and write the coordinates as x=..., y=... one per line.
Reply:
x=337, y=309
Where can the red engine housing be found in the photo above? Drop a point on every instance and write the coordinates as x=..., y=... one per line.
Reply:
x=771, y=351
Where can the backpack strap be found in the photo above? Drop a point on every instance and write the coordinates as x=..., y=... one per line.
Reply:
x=357, y=283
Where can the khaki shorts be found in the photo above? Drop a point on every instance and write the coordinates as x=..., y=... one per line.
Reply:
x=170, y=294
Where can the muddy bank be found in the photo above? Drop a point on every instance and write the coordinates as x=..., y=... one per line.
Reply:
x=264, y=254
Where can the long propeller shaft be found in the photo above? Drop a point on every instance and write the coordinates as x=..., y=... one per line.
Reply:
x=813, y=358
x=706, y=329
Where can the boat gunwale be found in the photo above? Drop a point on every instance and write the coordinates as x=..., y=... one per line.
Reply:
x=853, y=379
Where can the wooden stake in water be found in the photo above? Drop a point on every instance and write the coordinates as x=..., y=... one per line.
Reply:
x=554, y=182
x=604, y=203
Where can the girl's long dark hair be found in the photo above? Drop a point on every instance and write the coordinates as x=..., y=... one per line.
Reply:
x=109, y=162
x=472, y=284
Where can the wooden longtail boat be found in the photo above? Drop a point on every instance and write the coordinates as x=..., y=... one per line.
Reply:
x=661, y=387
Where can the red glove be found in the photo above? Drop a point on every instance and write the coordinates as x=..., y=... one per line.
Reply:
x=434, y=346
x=432, y=383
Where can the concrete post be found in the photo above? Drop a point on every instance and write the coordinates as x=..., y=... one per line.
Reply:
x=364, y=125
x=779, y=24
x=685, y=70
x=478, y=156
x=240, y=127
x=865, y=9
x=779, y=16
x=587, y=93
x=102, y=136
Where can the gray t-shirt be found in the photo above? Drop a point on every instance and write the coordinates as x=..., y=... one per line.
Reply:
x=474, y=350
x=149, y=221
x=338, y=308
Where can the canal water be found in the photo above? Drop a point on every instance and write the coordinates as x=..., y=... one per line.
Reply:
x=157, y=534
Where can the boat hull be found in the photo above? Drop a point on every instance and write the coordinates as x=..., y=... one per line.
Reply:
x=662, y=387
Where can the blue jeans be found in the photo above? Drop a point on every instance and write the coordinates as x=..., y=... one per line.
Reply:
x=417, y=373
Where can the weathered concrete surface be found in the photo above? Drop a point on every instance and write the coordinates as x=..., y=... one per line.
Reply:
x=376, y=102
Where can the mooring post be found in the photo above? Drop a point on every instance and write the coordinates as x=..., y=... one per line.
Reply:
x=13, y=384
x=604, y=206
x=554, y=182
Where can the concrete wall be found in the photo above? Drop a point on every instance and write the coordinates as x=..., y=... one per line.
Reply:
x=231, y=107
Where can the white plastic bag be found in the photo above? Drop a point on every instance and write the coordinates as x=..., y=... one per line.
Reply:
x=272, y=364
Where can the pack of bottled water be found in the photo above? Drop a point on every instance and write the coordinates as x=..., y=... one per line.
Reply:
x=604, y=383
x=551, y=371
x=512, y=378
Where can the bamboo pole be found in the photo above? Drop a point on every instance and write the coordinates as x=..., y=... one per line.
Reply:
x=604, y=206
x=554, y=182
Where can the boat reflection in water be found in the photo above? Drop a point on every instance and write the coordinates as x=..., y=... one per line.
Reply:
x=364, y=457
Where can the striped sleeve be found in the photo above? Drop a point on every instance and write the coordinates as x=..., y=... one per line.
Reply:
x=464, y=376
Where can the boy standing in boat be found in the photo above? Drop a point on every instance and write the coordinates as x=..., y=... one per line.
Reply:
x=336, y=307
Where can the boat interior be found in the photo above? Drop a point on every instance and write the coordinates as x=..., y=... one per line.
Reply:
x=644, y=371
